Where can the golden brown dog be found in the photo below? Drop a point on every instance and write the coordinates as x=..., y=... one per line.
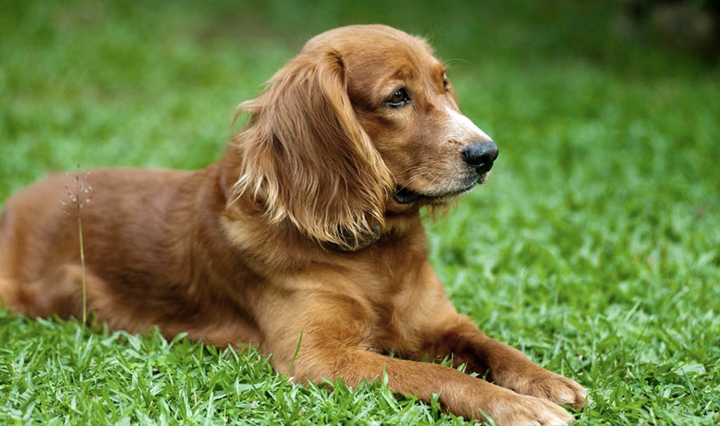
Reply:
x=308, y=226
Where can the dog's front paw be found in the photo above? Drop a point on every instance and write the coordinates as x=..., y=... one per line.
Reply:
x=554, y=387
x=522, y=410
x=541, y=383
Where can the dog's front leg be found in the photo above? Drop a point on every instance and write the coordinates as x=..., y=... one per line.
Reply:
x=331, y=337
x=501, y=363
x=458, y=393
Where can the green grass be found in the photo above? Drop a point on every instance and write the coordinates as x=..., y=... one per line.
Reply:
x=594, y=247
x=63, y=374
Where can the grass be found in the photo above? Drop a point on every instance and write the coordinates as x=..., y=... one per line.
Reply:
x=64, y=375
x=594, y=247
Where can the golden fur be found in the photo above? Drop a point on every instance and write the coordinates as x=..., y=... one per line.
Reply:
x=308, y=225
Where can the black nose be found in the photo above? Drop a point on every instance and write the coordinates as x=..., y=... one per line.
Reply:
x=481, y=155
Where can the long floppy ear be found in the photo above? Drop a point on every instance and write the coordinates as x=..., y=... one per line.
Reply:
x=308, y=160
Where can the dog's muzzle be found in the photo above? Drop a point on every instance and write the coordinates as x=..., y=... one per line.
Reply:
x=480, y=156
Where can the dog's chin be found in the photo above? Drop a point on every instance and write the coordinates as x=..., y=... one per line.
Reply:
x=405, y=195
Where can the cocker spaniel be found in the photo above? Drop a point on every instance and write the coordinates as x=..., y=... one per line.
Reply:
x=305, y=234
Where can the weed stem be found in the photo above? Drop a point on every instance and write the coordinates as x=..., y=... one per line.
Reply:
x=82, y=266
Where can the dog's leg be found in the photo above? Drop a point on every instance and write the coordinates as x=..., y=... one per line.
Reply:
x=59, y=293
x=505, y=365
x=439, y=331
x=332, y=338
x=459, y=393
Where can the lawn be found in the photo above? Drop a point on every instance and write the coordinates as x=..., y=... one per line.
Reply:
x=594, y=247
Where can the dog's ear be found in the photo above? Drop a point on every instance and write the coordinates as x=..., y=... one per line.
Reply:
x=306, y=158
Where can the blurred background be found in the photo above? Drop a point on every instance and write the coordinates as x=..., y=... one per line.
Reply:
x=77, y=61
x=118, y=76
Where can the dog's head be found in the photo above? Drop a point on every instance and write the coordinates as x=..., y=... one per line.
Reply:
x=362, y=122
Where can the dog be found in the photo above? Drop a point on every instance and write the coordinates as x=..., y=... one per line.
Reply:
x=305, y=238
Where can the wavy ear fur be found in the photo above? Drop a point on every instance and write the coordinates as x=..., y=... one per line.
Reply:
x=308, y=160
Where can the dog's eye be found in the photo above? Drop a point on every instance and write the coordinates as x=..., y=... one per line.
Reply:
x=446, y=83
x=399, y=98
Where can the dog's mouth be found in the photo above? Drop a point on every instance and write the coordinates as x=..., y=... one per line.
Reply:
x=404, y=195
